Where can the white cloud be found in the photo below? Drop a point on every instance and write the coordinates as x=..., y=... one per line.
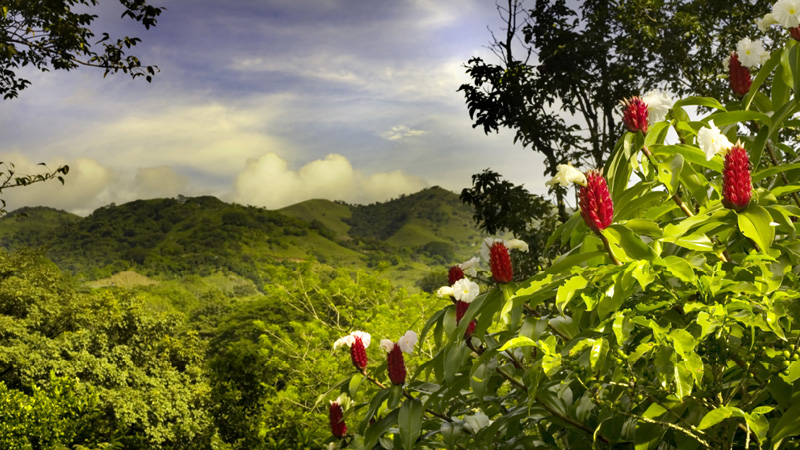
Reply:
x=268, y=181
x=401, y=131
x=160, y=182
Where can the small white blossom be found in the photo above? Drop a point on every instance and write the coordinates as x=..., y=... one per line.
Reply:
x=774, y=224
x=516, y=244
x=477, y=421
x=712, y=141
x=487, y=244
x=333, y=446
x=751, y=53
x=407, y=342
x=765, y=22
x=465, y=290
x=726, y=63
x=444, y=292
x=470, y=267
x=567, y=175
x=658, y=105
x=786, y=13
x=387, y=345
x=350, y=339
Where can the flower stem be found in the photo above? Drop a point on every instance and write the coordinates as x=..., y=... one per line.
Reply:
x=608, y=249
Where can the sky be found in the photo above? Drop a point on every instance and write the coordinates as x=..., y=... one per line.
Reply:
x=267, y=103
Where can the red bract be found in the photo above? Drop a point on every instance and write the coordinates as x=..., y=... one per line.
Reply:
x=500, y=263
x=358, y=353
x=736, y=182
x=470, y=329
x=338, y=427
x=461, y=309
x=635, y=115
x=739, y=76
x=454, y=274
x=396, y=366
x=595, y=202
x=795, y=32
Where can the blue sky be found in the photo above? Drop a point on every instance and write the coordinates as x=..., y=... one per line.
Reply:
x=268, y=103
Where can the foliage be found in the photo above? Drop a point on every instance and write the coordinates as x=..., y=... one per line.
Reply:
x=139, y=359
x=502, y=207
x=674, y=327
x=589, y=55
x=57, y=35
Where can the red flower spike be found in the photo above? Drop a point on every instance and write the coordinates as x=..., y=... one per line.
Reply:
x=738, y=75
x=358, y=354
x=736, y=182
x=454, y=275
x=470, y=329
x=338, y=427
x=461, y=309
x=795, y=32
x=500, y=263
x=635, y=115
x=595, y=202
x=396, y=366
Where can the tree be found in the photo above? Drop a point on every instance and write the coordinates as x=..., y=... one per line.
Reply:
x=561, y=93
x=50, y=34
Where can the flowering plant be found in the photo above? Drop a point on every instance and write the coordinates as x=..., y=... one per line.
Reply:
x=672, y=322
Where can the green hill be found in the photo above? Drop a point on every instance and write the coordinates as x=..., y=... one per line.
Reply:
x=406, y=238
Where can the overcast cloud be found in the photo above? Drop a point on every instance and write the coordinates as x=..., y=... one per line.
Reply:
x=269, y=103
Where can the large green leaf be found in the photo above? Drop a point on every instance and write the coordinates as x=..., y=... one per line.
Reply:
x=754, y=222
x=410, y=422
x=787, y=425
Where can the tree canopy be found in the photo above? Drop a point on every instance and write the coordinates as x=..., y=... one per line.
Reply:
x=57, y=35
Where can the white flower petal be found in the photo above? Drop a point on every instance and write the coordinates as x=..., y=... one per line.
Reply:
x=517, y=244
x=567, y=175
x=712, y=141
x=470, y=267
x=658, y=105
x=751, y=53
x=786, y=13
x=444, y=292
x=407, y=342
x=477, y=421
x=465, y=290
x=487, y=244
x=765, y=22
x=387, y=345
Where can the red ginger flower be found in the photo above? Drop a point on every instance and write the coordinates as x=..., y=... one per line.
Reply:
x=500, y=263
x=795, y=32
x=461, y=309
x=736, y=182
x=338, y=427
x=635, y=114
x=358, y=353
x=595, y=202
x=454, y=274
x=470, y=329
x=396, y=365
x=739, y=75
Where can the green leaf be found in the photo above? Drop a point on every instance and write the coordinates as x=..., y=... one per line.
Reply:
x=794, y=372
x=377, y=429
x=754, y=222
x=690, y=153
x=410, y=422
x=622, y=237
x=568, y=290
x=597, y=356
x=788, y=424
x=726, y=118
x=355, y=382
x=766, y=71
x=769, y=171
x=669, y=174
x=718, y=415
x=683, y=380
x=684, y=342
x=681, y=269
x=700, y=101
x=520, y=341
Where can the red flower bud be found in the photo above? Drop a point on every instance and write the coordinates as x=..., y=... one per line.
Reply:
x=500, y=263
x=338, y=427
x=455, y=274
x=461, y=309
x=595, y=202
x=635, y=115
x=470, y=329
x=736, y=182
x=739, y=76
x=358, y=354
x=795, y=32
x=396, y=365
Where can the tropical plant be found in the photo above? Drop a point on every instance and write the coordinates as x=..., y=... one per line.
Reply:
x=673, y=320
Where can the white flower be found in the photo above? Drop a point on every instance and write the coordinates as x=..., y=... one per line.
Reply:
x=726, y=64
x=516, y=244
x=477, y=421
x=711, y=141
x=444, y=292
x=658, y=105
x=487, y=244
x=387, y=345
x=407, y=342
x=350, y=339
x=465, y=290
x=785, y=12
x=333, y=446
x=765, y=22
x=751, y=53
x=470, y=266
x=567, y=175
x=774, y=224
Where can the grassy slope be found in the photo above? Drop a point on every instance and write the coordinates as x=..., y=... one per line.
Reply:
x=331, y=215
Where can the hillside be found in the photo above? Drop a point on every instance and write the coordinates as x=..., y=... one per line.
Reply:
x=406, y=238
